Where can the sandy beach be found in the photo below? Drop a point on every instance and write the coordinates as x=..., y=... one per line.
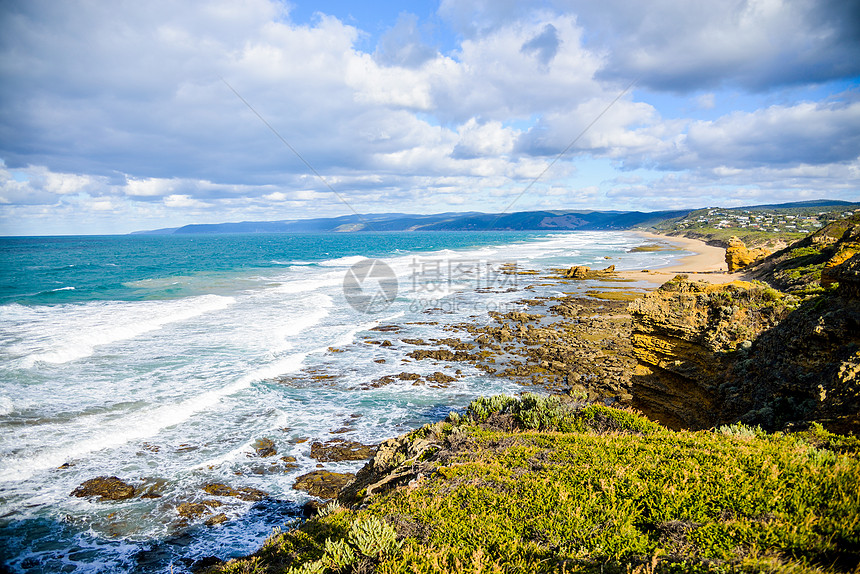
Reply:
x=706, y=264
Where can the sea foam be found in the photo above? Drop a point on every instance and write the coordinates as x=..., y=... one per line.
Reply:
x=69, y=332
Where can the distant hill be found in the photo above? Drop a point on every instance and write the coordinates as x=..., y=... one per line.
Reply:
x=585, y=220
x=470, y=221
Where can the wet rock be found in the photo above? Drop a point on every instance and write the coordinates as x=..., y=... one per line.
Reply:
x=105, y=488
x=242, y=493
x=322, y=483
x=216, y=519
x=192, y=510
x=264, y=447
x=441, y=379
x=151, y=488
x=442, y=355
x=387, y=328
x=338, y=450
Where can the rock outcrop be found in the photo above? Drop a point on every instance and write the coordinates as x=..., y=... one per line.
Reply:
x=682, y=336
x=806, y=266
x=104, y=488
x=717, y=354
x=738, y=256
x=322, y=483
x=242, y=493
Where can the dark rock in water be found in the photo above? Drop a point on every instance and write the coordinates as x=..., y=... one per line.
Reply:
x=322, y=483
x=217, y=519
x=242, y=493
x=151, y=488
x=441, y=378
x=337, y=450
x=105, y=487
x=264, y=447
x=196, y=509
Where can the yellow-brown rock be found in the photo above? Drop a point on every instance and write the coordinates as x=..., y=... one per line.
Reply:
x=738, y=256
x=681, y=332
x=578, y=272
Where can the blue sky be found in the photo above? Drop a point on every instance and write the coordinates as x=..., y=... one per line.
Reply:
x=115, y=118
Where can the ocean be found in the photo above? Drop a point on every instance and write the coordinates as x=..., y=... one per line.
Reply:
x=163, y=360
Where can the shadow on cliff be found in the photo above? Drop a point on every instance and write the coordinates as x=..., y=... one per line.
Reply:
x=744, y=352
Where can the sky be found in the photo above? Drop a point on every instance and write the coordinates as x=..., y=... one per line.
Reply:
x=126, y=115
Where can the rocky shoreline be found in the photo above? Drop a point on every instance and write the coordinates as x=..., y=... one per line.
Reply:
x=689, y=355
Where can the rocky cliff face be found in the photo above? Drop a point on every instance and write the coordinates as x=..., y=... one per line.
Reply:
x=685, y=336
x=716, y=354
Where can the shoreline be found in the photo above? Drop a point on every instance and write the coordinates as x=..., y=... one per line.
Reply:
x=707, y=263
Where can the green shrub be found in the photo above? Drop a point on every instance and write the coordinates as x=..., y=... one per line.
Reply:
x=338, y=554
x=373, y=537
x=481, y=408
x=741, y=430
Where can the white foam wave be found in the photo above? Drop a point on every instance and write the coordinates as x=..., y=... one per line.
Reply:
x=304, y=285
x=350, y=260
x=320, y=308
x=72, y=332
x=141, y=424
x=6, y=406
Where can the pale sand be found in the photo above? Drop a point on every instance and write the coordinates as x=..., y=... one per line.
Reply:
x=708, y=263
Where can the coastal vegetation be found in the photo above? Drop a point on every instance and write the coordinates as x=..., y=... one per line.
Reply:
x=548, y=484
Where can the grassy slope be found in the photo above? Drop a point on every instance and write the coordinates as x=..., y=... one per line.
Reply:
x=594, y=490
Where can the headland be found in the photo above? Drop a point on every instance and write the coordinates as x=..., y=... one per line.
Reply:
x=707, y=425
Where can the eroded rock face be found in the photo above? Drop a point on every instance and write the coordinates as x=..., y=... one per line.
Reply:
x=738, y=256
x=104, y=488
x=846, y=273
x=681, y=335
x=718, y=354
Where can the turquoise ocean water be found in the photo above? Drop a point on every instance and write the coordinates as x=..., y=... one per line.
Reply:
x=162, y=359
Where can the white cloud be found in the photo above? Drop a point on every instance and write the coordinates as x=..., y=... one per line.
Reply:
x=805, y=133
x=123, y=108
x=686, y=46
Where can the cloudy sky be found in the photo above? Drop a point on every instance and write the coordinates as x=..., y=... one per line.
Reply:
x=118, y=116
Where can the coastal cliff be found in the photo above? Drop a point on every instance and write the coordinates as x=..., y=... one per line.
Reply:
x=743, y=351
